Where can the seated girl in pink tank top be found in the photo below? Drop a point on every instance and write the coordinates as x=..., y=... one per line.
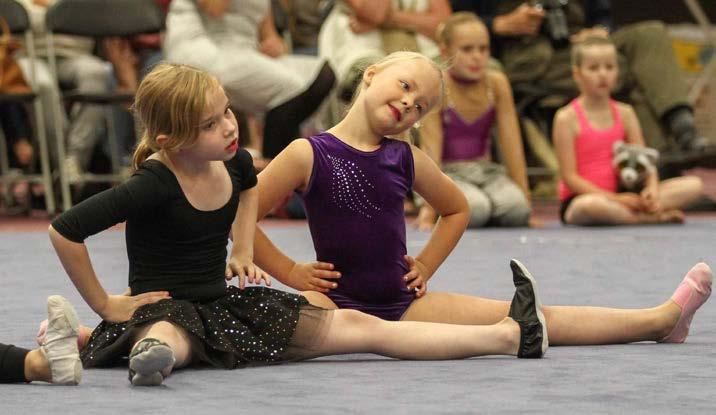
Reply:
x=583, y=134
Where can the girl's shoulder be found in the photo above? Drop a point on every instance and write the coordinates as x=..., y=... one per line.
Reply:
x=625, y=110
x=497, y=79
x=565, y=114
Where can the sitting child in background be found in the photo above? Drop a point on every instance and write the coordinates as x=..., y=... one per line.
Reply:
x=584, y=133
x=458, y=136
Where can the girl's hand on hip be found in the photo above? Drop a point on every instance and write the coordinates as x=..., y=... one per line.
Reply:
x=417, y=277
x=245, y=270
x=314, y=276
x=121, y=308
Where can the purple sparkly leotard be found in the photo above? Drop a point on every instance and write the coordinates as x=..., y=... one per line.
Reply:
x=354, y=204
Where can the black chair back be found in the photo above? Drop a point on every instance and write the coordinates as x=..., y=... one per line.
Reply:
x=15, y=15
x=101, y=18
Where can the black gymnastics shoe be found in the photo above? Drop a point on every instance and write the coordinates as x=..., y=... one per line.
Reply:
x=147, y=360
x=526, y=310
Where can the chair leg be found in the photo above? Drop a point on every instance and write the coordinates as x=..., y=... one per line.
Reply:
x=114, y=152
x=44, y=157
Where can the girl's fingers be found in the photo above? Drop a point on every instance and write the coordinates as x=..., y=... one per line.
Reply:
x=323, y=283
x=326, y=274
x=242, y=281
x=266, y=278
x=252, y=274
x=149, y=298
x=422, y=289
x=322, y=265
x=162, y=294
x=410, y=276
x=417, y=282
x=318, y=289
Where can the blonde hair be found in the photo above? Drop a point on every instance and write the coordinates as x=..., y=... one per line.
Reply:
x=398, y=57
x=446, y=29
x=170, y=100
x=577, y=53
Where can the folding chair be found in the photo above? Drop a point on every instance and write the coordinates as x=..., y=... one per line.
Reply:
x=19, y=23
x=98, y=19
x=702, y=19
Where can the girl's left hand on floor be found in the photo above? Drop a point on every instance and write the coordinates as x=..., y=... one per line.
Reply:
x=245, y=270
x=417, y=277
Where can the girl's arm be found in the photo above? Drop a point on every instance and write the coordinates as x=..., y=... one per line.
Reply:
x=449, y=202
x=425, y=23
x=241, y=260
x=270, y=42
x=634, y=135
x=289, y=171
x=76, y=262
x=508, y=131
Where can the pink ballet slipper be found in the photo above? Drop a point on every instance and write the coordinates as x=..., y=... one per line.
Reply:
x=693, y=291
x=42, y=330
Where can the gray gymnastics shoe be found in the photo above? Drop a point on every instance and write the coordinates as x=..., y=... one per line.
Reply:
x=526, y=310
x=148, y=359
x=60, y=343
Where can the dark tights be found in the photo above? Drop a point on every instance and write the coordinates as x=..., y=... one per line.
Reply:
x=12, y=363
x=282, y=123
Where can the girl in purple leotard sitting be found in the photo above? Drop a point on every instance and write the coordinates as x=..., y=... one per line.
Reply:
x=353, y=181
x=458, y=136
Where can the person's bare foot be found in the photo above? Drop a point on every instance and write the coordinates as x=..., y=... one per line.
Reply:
x=671, y=216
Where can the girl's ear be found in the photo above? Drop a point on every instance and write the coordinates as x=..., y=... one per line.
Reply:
x=368, y=75
x=162, y=140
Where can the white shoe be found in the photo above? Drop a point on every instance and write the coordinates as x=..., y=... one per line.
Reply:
x=60, y=344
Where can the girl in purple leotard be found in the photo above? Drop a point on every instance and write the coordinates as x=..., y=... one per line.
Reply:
x=353, y=180
x=458, y=135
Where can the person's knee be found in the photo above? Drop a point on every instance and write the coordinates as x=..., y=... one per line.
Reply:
x=167, y=330
x=511, y=208
x=585, y=209
x=357, y=320
x=92, y=76
x=516, y=214
x=480, y=210
x=692, y=185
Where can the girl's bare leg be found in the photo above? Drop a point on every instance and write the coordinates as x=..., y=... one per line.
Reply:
x=594, y=209
x=679, y=192
x=571, y=325
x=566, y=325
x=351, y=331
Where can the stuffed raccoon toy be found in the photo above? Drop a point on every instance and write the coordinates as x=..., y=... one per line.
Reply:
x=633, y=164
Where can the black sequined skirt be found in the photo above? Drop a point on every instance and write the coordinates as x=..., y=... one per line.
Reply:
x=251, y=326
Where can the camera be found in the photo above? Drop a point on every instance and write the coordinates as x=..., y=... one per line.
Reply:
x=555, y=23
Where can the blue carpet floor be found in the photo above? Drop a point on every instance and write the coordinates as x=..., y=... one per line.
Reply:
x=627, y=267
